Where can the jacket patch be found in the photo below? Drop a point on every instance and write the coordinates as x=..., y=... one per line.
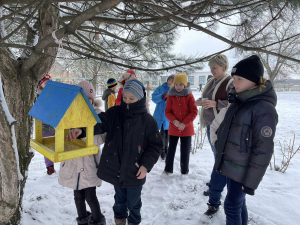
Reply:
x=266, y=131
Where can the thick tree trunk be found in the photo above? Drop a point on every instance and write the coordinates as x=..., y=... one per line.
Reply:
x=19, y=92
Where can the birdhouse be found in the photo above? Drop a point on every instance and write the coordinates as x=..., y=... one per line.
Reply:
x=63, y=106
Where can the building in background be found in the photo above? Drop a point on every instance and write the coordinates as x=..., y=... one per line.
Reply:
x=195, y=79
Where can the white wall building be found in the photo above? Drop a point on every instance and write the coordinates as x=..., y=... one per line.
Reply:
x=194, y=78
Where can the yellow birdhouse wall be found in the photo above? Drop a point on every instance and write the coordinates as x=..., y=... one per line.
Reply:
x=77, y=115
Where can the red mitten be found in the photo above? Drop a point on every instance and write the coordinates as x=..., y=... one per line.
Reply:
x=164, y=96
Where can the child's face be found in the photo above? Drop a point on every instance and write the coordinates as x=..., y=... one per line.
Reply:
x=217, y=71
x=114, y=88
x=129, y=98
x=179, y=86
x=170, y=82
x=241, y=84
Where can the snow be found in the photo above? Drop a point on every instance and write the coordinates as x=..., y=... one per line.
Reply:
x=11, y=122
x=176, y=199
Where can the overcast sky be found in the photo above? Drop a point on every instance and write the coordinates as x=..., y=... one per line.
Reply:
x=195, y=42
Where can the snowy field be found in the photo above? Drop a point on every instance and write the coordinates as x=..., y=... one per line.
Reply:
x=177, y=199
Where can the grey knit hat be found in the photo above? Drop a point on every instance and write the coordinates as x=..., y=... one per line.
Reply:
x=135, y=87
x=171, y=77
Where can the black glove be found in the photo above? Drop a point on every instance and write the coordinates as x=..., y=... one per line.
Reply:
x=248, y=191
x=164, y=96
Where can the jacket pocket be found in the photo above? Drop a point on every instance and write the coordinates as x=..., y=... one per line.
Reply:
x=244, y=142
x=91, y=165
x=110, y=165
x=67, y=169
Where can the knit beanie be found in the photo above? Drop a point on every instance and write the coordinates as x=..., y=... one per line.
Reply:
x=135, y=87
x=250, y=68
x=171, y=77
x=46, y=77
x=88, y=90
x=111, y=82
x=181, y=78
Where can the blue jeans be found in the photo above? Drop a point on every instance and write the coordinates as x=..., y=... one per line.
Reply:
x=217, y=181
x=235, y=204
x=128, y=199
x=208, y=136
x=216, y=186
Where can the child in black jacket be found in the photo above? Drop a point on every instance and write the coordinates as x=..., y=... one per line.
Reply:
x=132, y=147
x=245, y=137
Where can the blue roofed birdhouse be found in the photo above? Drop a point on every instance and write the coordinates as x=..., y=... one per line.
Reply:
x=63, y=106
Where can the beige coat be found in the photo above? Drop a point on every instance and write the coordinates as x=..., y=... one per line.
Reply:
x=215, y=125
x=80, y=173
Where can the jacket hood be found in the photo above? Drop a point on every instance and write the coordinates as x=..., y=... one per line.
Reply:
x=97, y=103
x=134, y=109
x=268, y=94
x=106, y=93
x=186, y=91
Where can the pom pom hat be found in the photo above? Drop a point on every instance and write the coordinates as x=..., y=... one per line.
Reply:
x=88, y=90
x=46, y=77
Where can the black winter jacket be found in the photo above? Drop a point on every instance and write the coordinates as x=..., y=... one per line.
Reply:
x=132, y=140
x=245, y=137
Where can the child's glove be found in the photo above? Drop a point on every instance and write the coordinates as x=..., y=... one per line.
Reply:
x=164, y=96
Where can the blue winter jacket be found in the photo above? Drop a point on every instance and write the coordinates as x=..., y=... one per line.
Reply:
x=159, y=113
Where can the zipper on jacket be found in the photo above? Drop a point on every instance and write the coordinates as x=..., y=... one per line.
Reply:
x=63, y=164
x=95, y=161
x=78, y=178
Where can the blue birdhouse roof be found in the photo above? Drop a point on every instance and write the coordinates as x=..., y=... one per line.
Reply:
x=55, y=100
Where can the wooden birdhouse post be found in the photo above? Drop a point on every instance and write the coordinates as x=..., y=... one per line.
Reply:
x=63, y=106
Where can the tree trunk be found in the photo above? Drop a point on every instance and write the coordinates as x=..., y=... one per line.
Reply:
x=19, y=92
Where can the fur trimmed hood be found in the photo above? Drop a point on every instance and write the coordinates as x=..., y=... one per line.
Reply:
x=185, y=92
x=97, y=105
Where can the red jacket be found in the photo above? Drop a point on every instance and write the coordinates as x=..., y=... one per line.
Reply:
x=185, y=111
x=118, y=100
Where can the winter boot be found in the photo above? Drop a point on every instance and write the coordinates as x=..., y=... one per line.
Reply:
x=101, y=222
x=206, y=193
x=50, y=170
x=211, y=210
x=84, y=220
x=120, y=221
x=163, y=155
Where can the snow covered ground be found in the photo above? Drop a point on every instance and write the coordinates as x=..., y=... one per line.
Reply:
x=177, y=199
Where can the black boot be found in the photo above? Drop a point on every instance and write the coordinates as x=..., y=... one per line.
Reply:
x=101, y=222
x=211, y=210
x=84, y=220
x=163, y=155
x=206, y=193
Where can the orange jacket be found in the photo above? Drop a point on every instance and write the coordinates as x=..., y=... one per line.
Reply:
x=185, y=111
